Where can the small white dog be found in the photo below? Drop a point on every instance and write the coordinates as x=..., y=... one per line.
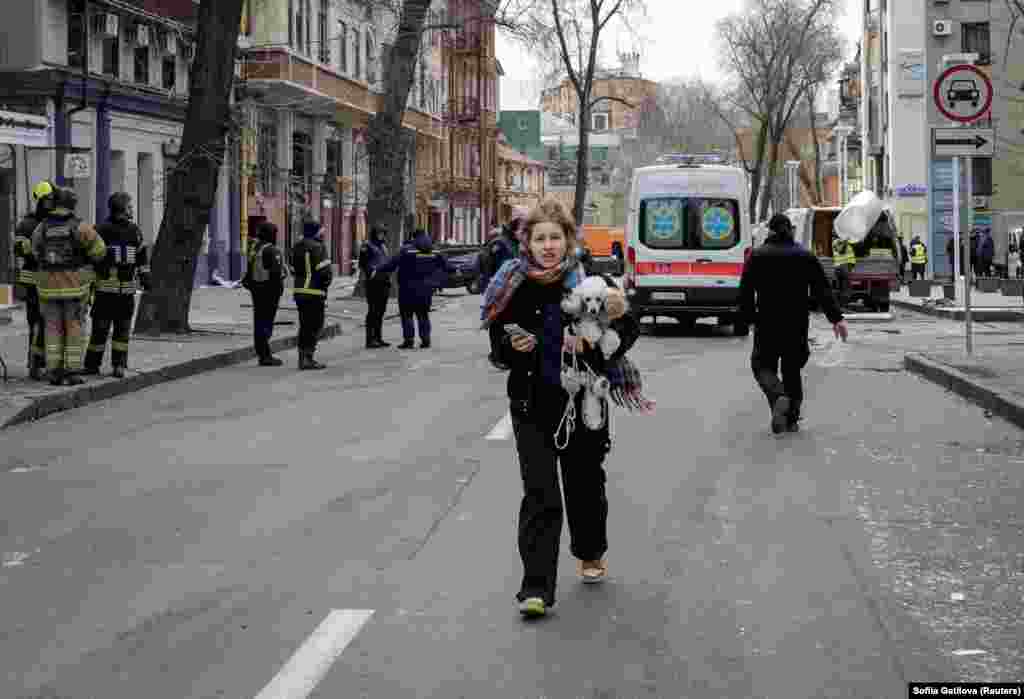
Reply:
x=587, y=303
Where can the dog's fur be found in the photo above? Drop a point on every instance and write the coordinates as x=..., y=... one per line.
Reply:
x=587, y=303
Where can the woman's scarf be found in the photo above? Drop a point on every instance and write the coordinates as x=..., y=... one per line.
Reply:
x=513, y=273
x=627, y=386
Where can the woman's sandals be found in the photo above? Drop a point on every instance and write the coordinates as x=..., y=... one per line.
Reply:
x=593, y=571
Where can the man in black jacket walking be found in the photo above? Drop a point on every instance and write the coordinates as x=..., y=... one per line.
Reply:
x=774, y=298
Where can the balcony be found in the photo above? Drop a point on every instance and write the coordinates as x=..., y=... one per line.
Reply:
x=283, y=77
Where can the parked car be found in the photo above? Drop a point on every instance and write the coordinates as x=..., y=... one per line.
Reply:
x=465, y=267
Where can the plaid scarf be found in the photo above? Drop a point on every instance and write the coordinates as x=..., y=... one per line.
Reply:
x=627, y=386
x=514, y=272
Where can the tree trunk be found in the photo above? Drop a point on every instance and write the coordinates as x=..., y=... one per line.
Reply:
x=757, y=173
x=769, y=179
x=819, y=194
x=193, y=183
x=582, y=160
x=388, y=144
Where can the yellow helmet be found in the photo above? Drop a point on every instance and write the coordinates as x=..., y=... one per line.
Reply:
x=41, y=190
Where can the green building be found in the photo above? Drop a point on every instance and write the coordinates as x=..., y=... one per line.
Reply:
x=522, y=130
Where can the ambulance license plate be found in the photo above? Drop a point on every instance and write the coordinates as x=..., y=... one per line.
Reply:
x=668, y=295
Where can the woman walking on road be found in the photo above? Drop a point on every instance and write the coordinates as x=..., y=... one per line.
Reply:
x=528, y=292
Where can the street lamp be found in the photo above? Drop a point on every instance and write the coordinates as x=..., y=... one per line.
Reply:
x=841, y=132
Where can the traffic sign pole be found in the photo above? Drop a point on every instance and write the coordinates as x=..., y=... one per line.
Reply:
x=969, y=201
x=958, y=263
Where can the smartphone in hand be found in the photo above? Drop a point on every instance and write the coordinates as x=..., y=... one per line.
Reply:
x=515, y=330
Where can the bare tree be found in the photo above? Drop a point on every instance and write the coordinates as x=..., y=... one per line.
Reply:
x=193, y=183
x=774, y=53
x=568, y=33
x=677, y=119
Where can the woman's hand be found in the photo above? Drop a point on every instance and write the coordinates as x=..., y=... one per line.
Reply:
x=572, y=343
x=615, y=304
x=523, y=343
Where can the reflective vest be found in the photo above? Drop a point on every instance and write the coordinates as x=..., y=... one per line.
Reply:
x=63, y=245
x=918, y=254
x=842, y=253
x=24, y=262
x=881, y=252
x=258, y=272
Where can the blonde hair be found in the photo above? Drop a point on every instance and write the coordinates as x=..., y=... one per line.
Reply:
x=551, y=211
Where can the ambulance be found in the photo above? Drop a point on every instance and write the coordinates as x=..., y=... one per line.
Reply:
x=687, y=238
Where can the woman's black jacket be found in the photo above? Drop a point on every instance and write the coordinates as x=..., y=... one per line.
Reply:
x=532, y=385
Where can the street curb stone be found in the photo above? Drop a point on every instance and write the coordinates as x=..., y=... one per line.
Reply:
x=86, y=394
x=983, y=316
x=998, y=402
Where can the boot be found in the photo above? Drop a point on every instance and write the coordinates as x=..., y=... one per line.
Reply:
x=306, y=362
x=118, y=372
x=380, y=340
x=37, y=373
x=270, y=360
x=73, y=380
x=371, y=339
x=407, y=345
x=91, y=371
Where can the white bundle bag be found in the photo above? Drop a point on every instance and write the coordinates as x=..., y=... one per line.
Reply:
x=858, y=217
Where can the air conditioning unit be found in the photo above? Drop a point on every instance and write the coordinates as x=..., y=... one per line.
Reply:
x=981, y=201
x=106, y=25
x=140, y=35
x=942, y=27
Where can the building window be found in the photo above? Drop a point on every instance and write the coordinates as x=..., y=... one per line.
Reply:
x=112, y=57
x=981, y=177
x=299, y=25
x=76, y=33
x=335, y=167
x=976, y=38
x=170, y=71
x=599, y=122
x=266, y=137
x=302, y=155
x=423, y=84
x=343, y=47
x=371, y=72
x=358, y=65
x=522, y=124
x=142, y=65
x=325, y=42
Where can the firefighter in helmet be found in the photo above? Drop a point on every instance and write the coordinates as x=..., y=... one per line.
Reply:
x=123, y=271
x=27, y=264
x=64, y=245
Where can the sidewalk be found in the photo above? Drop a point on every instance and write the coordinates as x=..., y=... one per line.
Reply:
x=992, y=377
x=221, y=320
x=984, y=306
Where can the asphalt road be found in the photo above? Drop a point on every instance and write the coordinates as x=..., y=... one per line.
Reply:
x=188, y=540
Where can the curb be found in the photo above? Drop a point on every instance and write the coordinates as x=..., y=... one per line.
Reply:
x=84, y=395
x=982, y=316
x=998, y=402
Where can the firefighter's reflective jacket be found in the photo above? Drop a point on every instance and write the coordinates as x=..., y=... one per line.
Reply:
x=125, y=268
x=64, y=245
x=25, y=262
x=842, y=252
x=312, y=268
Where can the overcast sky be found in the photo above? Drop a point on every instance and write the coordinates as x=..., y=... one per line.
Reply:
x=675, y=41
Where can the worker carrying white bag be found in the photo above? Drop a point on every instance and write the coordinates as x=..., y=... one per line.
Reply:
x=858, y=217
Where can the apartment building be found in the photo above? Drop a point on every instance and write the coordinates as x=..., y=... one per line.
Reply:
x=109, y=79
x=906, y=46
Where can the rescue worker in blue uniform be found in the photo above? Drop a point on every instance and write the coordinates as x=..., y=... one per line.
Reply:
x=27, y=265
x=420, y=270
x=313, y=276
x=774, y=298
x=123, y=271
x=378, y=287
x=264, y=279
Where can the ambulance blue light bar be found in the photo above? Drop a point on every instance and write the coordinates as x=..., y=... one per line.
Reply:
x=691, y=159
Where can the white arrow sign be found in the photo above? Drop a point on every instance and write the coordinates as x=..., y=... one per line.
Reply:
x=957, y=142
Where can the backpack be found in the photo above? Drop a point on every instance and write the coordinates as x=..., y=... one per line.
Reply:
x=258, y=272
x=60, y=248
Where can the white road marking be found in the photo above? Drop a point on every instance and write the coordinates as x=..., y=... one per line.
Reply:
x=308, y=665
x=502, y=430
